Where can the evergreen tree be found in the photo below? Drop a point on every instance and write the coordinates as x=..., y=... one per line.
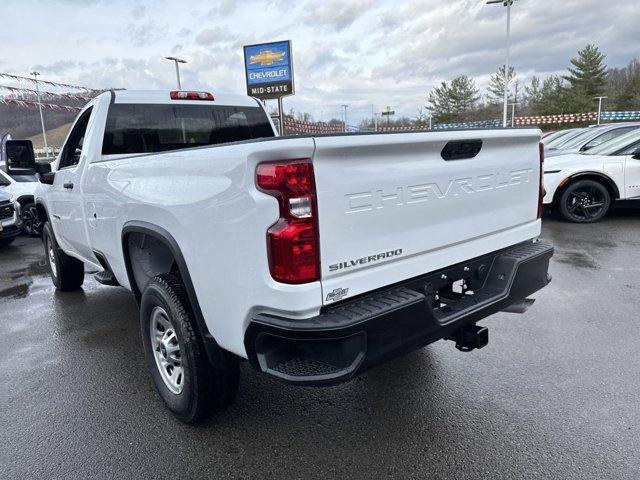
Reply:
x=496, y=84
x=552, y=97
x=588, y=73
x=439, y=103
x=452, y=102
x=533, y=92
x=464, y=95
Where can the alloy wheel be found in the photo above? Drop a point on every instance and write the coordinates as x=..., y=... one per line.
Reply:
x=586, y=202
x=166, y=350
x=30, y=221
x=52, y=258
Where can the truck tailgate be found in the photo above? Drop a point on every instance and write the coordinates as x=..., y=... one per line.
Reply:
x=390, y=207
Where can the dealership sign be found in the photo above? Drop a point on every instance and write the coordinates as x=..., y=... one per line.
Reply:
x=269, y=70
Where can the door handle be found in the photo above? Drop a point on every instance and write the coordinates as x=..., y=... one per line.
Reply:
x=68, y=185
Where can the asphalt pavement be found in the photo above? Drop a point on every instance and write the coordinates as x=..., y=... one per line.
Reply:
x=555, y=394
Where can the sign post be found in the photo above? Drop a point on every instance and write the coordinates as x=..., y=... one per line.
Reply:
x=388, y=112
x=269, y=73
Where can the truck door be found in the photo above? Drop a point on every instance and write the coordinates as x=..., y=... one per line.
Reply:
x=66, y=203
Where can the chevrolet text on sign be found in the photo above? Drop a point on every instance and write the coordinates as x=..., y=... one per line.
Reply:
x=269, y=69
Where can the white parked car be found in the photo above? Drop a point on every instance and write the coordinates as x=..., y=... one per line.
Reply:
x=582, y=186
x=22, y=188
x=313, y=257
x=589, y=138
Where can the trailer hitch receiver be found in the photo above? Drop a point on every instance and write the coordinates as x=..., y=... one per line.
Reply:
x=470, y=337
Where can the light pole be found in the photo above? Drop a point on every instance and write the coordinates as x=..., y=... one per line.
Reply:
x=599, y=106
x=177, y=61
x=513, y=112
x=345, y=116
x=506, y=3
x=44, y=132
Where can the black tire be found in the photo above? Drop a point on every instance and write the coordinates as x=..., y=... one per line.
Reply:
x=31, y=224
x=207, y=388
x=67, y=273
x=584, y=201
x=5, y=242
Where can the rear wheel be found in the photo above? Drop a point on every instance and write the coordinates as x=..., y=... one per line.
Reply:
x=584, y=201
x=67, y=273
x=192, y=387
x=31, y=224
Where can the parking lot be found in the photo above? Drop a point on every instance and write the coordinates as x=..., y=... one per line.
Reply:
x=553, y=395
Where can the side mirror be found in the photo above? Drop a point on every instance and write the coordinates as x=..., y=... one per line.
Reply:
x=47, y=178
x=20, y=157
x=42, y=167
x=45, y=175
x=636, y=154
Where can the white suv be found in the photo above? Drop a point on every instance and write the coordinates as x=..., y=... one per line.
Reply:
x=9, y=220
x=22, y=189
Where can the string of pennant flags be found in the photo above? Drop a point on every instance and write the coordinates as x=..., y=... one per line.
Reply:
x=18, y=92
x=18, y=78
x=298, y=127
x=533, y=120
x=32, y=104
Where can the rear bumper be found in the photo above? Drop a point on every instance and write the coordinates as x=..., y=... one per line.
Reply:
x=349, y=337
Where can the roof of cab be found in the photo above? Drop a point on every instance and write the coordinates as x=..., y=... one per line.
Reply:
x=162, y=96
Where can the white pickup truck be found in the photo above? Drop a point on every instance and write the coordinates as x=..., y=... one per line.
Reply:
x=314, y=257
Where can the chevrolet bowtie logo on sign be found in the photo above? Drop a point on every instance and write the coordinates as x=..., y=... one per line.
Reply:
x=266, y=57
x=269, y=70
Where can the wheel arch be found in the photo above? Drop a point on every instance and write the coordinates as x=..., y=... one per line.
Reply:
x=43, y=213
x=603, y=178
x=25, y=199
x=138, y=229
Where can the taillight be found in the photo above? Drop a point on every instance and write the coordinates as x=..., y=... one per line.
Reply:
x=541, y=191
x=182, y=95
x=292, y=242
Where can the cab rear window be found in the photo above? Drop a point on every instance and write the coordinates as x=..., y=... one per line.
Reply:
x=148, y=128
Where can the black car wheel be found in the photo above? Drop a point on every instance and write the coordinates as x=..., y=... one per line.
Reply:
x=585, y=201
x=31, y=224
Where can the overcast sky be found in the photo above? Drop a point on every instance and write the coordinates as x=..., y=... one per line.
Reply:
x=363, y=53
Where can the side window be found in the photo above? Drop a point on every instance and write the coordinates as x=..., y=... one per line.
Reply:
x=605, y=137
x=630, y=149
x=73, y=148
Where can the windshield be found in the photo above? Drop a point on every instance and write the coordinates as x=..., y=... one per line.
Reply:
x=583, y=136
x=559, y=140
x=617, y=145
x=552, y=137
x=146, y=128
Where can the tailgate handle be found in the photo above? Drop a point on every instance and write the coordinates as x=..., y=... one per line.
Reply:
x=461, y=149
